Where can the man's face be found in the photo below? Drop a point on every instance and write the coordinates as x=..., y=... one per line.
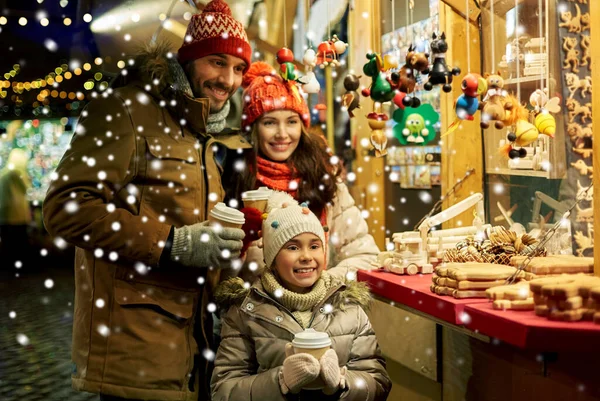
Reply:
x=216, y=77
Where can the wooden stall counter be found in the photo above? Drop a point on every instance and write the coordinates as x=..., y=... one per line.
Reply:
x=414, y=292
x=526, y=330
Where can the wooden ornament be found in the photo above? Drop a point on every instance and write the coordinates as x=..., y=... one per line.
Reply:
x=586, y=58
x=576, y=131
x=572, y=23
x=576, y=109
x=585, y=215
x=574, y=83
x=583, y=168
x=586, y=153
x=583, y=243
x=572, y=54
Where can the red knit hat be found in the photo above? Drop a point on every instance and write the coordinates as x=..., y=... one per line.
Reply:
x=266, y=91
x=215, y=31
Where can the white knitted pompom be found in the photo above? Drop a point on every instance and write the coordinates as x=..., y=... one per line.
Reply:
x=278, y=199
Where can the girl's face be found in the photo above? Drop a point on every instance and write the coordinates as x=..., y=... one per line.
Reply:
x=300, y=262
x=279, y=133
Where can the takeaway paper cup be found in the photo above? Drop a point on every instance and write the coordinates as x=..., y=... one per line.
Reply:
x=315, y=343
x=226, y=216
x=311, y=342
x=257, y=198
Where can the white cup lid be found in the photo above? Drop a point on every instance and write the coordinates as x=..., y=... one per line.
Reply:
x=228, y=214
x=311, y=339
x=262, y=193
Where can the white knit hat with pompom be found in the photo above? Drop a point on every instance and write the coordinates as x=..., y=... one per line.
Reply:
x=285, y=220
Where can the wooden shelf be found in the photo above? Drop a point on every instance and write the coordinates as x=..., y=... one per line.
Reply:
x=522, y=173
x=522, y=80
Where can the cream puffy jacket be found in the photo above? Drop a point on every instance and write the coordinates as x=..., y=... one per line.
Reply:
x=351, y=247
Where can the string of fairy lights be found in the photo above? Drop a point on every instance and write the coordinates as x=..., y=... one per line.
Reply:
x=48, y=86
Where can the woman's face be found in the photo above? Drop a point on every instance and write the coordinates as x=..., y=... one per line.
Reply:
x=279, y=134
x=300, y=262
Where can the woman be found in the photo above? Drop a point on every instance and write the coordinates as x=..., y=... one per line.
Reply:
x=287, y=157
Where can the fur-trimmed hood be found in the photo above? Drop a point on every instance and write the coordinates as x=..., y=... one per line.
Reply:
x=156, y=64
x=234, y=291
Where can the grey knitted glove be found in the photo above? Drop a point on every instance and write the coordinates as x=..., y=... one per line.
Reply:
x=201, y=245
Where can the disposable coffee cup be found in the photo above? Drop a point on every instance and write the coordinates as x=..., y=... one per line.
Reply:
x=315, y=343
x=311, y=342
x=257, y=198
x=226, y=216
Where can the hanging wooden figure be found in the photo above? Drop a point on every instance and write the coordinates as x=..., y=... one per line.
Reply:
x=523, y=134
x=381, y=89
x=542, y=109
x=406, y=80
x=440, y=73
x=351, y=99
x=415, y=126
x=495, y=104
x=473, y=85
x=309, y=81
x=287, y=70
x=378, y=138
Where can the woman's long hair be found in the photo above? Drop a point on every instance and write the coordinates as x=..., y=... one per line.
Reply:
x=311, y=162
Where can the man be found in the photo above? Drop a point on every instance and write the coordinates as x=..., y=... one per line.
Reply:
x=133, y=193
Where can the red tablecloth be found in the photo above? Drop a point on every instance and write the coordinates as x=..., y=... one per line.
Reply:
x=413, y=291
x=526, y=330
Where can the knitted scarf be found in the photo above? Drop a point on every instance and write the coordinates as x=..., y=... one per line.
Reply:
x=299, y=304
x=216, y=121
x=278, y=176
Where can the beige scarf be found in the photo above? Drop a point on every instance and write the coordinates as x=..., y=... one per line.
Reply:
x=299, y=304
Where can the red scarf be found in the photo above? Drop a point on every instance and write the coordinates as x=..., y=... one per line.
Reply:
x=278, y=176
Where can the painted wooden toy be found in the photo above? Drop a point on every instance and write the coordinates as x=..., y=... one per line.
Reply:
x=440, y=73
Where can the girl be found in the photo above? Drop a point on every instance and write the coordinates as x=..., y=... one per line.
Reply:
x=286, y=157
x=255, y=360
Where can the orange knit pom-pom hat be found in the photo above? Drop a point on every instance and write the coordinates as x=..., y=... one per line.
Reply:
x=266, y=91
x=215, y=31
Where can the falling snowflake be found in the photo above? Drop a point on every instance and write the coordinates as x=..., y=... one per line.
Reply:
x=51, y=45
x=49, y=283
x=208, y=354
x=464, y=318
x=103, y=330
x=141, y=268
x=23, y=339
x=71, y=207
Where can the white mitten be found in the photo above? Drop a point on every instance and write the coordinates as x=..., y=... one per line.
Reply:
x=298, y=370
x=331, y=374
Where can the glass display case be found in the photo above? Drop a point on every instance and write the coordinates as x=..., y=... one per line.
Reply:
x=521, y=45
x=541, y=50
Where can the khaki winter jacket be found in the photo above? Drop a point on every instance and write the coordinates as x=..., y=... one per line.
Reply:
x=139, y=163
x=256, y=329
x=351, y=247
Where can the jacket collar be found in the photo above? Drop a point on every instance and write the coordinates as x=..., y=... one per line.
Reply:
x=157, y=71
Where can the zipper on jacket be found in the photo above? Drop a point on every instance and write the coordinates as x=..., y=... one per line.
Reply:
x=204, y=173
x=277, y=304
x=318, y=306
